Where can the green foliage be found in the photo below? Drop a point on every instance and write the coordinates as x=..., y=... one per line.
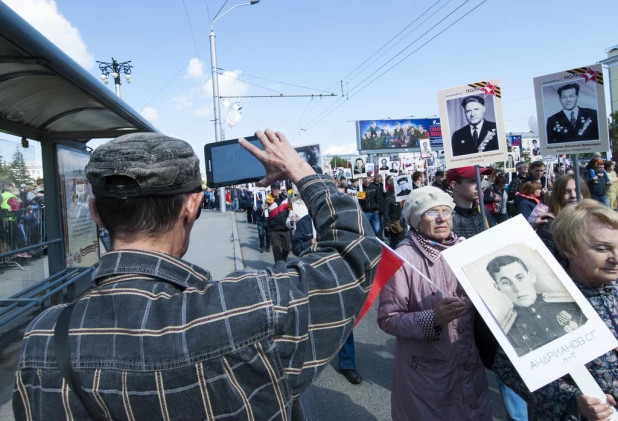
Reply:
x=18, y=171
x=337, y=161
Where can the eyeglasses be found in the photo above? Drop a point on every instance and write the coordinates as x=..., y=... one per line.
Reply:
x=445, y=214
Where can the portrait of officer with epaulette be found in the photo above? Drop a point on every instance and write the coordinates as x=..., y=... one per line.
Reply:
x=536, y=318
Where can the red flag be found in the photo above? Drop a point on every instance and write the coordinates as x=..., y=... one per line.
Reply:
x=389, y=264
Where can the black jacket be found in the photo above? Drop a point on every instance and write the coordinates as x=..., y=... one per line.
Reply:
x=301, y=240
x=392, y=213
x=559, y=127
x=518, y=180
x=463, y=144
x=469, y=222
x=276, y=219
x=373, y=199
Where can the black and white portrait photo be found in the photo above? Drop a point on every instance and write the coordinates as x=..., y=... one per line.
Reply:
x=425, y=148
x=311, y=155
x=369, y=166
x=348, y=173
x=358, y=165
x=385, y=164
x=403, y=187
x=472, y=123
x=510, y=162
x=394, y=167
x=571, y=111
x=525, y=296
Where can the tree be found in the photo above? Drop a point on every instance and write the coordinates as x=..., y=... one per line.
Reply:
x=18, y=172
x=4, y=169
x=337, y=161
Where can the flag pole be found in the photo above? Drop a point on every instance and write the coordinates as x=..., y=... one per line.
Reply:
x=405, y=262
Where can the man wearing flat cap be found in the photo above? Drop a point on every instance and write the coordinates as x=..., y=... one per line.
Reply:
x=479, y=135
x=157, y=338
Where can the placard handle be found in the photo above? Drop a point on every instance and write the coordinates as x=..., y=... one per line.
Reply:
x=588, y=385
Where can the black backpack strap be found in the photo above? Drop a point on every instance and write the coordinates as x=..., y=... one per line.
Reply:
x=63, y=357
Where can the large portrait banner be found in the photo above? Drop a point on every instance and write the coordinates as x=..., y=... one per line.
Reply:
x=375, y=136
x=81, y=241
x=472, y=124
x=541, y=320
x=571, y=111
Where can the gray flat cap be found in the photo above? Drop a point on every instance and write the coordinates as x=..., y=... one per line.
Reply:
x=159, y=165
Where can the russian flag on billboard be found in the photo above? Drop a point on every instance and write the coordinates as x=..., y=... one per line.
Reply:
x=389, y=264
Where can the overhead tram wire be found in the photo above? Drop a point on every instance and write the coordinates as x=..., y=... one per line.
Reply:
x=409, y=33
x=208, y=10
x=191, y=28
x=385, y=44
x=315, y=122
x=412, y=43
x=282, y=83
x=338, y=103
x=249, y=83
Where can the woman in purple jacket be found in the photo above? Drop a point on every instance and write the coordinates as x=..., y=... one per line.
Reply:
x=438, y=373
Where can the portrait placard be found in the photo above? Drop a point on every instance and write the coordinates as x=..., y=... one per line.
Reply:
x=540, y=318
x=509, y=165
x=394, y=167
x=571, y=112
x=403, y=187
x=472, y=124
x=369, y=166
x=384, y=165
x=312, y=156
x=425, y=148
x=359, y=168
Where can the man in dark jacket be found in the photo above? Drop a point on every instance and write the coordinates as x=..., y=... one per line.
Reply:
x=262, y=224
x=372, y=204
x=518, y=180
x=303, y=239
x=277, y=215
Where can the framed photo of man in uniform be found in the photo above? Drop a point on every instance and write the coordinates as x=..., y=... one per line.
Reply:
x=571, y=111
x=539, y=317
x=403, y=187
x=311, y=154
x=472, y=124
x=425, y=148
x=359, y=167
x=394, y=167
x=384, y=165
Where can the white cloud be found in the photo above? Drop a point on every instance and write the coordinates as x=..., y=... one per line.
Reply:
x=45, y=17
x=195, y=70
x=350, y=148
x=150, y=114
x=229, y=85
x=203, y=112
x=183, y=102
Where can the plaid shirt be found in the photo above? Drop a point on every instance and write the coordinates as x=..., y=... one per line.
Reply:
x=158, y=340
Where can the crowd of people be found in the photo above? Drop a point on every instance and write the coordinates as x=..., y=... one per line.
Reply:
x=22, y=217
x=188, y=347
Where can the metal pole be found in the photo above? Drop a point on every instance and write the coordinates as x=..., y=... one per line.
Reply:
x=477, y=172
x=578, y=188
x=216, y=105
x=117, y=80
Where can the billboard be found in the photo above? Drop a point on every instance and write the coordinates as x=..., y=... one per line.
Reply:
x=397, y=135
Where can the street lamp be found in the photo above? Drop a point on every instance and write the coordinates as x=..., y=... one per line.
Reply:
x=113, y=69
x=215, y=84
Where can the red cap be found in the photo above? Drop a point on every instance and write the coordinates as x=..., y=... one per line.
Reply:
x=465, y=172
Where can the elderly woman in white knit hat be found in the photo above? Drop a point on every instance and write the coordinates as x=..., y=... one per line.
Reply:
x=438, y=373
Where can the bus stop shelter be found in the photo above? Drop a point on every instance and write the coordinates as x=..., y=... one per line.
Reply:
x=47, y=97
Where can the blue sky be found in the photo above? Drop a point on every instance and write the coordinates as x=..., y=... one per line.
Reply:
x=316, y=43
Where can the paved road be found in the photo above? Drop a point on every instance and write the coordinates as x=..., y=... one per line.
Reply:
x=332, y=397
